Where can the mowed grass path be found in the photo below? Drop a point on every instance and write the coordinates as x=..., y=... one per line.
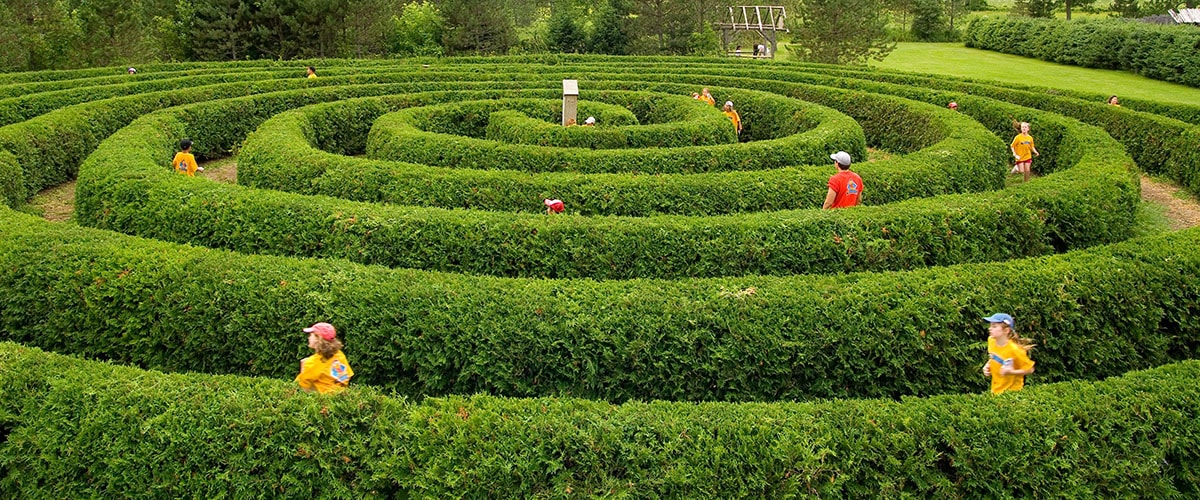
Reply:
x=957, y=60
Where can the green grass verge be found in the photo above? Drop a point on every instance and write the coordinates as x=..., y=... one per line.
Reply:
x=957, y=60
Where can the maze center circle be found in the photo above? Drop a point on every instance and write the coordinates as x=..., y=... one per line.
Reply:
x=690, y=264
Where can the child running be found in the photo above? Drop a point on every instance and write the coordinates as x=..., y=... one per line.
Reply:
x=184, y=161
x=1008, y=357
x=1022, y=146
x=327, y=369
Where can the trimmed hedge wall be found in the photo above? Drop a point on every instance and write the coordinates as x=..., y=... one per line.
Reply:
x=787, y=132
x=914, y=233
x=79, y=428
x=160, y=305
x=283, y=154
x=1159, y=52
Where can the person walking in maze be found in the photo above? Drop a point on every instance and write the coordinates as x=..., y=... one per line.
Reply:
x=845, y=186
x=327, y=369
x=311, y=71
x=707, y=97
x=1023, y=150
x=184, y=161
x=1008, y=355
x=733, y=116
x=1113, y=101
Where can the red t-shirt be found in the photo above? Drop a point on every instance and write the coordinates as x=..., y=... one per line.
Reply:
x=848, y=185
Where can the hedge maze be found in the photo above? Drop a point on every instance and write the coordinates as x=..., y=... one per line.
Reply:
x=692, y=326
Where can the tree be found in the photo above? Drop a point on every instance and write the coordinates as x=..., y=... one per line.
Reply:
x=37, y=34
x=219, y=30
x=1036, y=8
x=928, y=24
x=839, y=31
x=418, y=30
x=611, y=35
x=1125, y=8
x=475, y=27
x=565, y=33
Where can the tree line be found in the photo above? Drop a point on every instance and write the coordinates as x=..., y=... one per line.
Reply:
x=59, y=34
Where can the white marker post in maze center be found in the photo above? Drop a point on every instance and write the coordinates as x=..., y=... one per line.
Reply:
x=570, y=100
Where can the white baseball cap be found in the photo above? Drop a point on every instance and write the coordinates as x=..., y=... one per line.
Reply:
x=590, y=119
x=841, y=157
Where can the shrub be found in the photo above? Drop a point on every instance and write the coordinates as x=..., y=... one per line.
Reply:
x=80, y=428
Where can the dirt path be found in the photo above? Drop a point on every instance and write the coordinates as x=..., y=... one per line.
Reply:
x=56, y=204
x=1183, y=209
x=223, y=170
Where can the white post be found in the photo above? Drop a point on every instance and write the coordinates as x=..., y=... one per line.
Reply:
x=570, y=101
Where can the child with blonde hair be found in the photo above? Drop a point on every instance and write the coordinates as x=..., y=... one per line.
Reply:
x=1023, y=150
x=1008, y=355
x=327, y=369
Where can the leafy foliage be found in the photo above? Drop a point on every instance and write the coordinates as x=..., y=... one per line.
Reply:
x=839, y=31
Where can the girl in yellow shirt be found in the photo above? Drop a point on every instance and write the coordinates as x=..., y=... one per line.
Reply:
x=1008, y=355
x=327, y=369
x=733, y=116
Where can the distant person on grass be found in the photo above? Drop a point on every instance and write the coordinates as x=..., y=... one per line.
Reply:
x=733, y=116
x=327, y=369
x=1008, y=355
x=184, y=161
x=1023, y=150
x=845, y=186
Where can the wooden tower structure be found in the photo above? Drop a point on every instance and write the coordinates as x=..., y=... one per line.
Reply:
x=766, y=20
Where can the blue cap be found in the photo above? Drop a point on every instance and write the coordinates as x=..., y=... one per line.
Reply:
x=1002, y=318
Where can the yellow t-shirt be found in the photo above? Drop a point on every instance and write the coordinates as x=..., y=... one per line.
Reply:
x=185, y=163
x=737, y=119
x=312, y=75
x=1022, y=146
x=325, y=375
x=1012, y=354
x=709, y=99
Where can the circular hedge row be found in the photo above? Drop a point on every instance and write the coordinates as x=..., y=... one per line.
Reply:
x=465, y=304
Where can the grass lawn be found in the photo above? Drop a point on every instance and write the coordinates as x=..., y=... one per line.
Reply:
x=956, y=60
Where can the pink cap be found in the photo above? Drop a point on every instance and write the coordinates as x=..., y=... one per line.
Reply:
x=555, y=205
x=953, y=104
x=325, y=330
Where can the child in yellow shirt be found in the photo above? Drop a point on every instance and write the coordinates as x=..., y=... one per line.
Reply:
x=1022, y=146
x=1008, y=355
x=327, y=369
x=184, y=162
x=733, y=116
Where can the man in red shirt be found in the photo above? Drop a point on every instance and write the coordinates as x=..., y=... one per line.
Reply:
x=845, y=186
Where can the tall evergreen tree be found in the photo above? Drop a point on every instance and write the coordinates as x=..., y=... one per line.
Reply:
x=839, y=31
x=565, y=33
x=611, y=33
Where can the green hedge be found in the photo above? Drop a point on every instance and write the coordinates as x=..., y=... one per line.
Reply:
x=669, y=121
x=79, y=428
x=786, y=132
x=1158, y=144
x=298, y=151
x=1156, y=51
x=912, y=234
x=166, y=306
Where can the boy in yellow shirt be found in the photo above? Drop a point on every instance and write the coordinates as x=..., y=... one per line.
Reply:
x=327, y=370
x=184, y=162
